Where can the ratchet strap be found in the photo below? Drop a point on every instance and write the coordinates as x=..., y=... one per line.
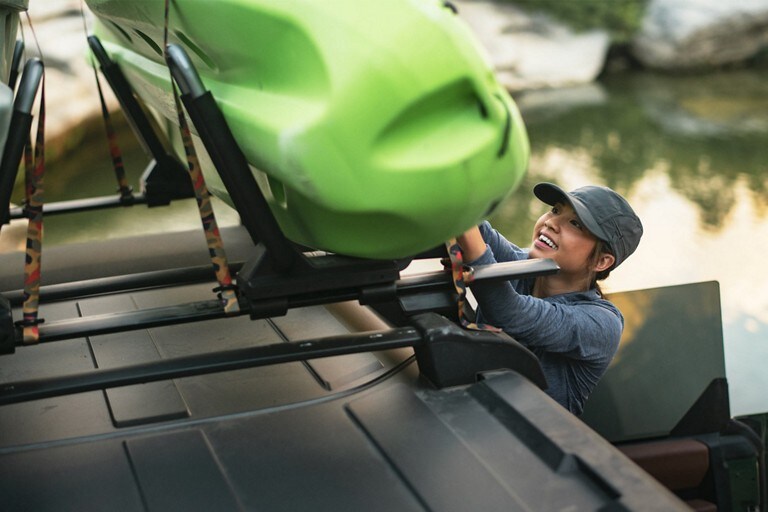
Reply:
x=125, y=190
x=226, y=290
x=463, y=275
x=34, y=170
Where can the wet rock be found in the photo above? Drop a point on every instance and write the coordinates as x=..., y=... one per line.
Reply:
x=691, y=34
x=13, y=236
x=59, y=32
x=531, y=50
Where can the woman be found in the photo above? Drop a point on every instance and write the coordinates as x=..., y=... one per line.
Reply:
x=562, y=318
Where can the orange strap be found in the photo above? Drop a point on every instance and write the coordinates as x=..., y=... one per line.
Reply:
x=226, y=289
x=463, y=275
x=34, y=167
x=126, y=193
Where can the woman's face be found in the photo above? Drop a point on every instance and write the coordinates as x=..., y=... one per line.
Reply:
x=559, y=235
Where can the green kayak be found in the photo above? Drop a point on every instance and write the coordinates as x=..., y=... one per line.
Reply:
x=374, y=129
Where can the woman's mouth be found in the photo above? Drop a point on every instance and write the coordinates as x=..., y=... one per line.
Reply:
x=545, y=240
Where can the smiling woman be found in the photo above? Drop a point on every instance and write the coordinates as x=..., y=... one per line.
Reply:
x=572, y=252
x=562, y=318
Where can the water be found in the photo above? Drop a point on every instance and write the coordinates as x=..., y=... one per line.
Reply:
x=689, y=152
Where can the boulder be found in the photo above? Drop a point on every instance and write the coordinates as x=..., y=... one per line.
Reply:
x=699, y=34
x=532, y=50
x=70, y=86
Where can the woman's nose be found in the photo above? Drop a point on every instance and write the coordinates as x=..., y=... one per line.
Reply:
x=551, y=225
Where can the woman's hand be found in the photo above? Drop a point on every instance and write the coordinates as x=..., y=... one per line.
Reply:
x=472, y=244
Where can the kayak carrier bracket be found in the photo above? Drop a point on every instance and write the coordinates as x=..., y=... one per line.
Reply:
x=164, y=180
x=279, y=269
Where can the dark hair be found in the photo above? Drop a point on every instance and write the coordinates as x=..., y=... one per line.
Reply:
x=600, y=248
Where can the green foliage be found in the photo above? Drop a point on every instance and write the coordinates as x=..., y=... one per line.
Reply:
x=620, y=17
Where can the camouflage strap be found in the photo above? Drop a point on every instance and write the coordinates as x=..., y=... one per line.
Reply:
x=226, y=289
x=126, y=192
x=462, y=276
x=216, y=251
x=34, y=167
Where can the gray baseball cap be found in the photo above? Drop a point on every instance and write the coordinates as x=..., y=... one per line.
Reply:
x=605, y=213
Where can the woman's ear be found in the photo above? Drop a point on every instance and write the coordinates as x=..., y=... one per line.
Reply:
x=604, y=261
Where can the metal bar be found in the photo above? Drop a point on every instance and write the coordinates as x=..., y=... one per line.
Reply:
x=131, y=320
x=514, y=270
x=179, y=314
x=115, y=284
x=207, y=310
x=497, y=271
x=251, y=357
x=83, y=205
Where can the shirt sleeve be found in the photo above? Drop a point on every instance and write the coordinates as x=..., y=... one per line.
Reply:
x=584, y=330
x=500, y=248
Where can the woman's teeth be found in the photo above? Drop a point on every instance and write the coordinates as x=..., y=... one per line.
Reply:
x=548, y=241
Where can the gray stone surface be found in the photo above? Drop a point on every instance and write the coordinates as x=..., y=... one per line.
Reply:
x=70, y=87
x=689, y=34
x=530, y=51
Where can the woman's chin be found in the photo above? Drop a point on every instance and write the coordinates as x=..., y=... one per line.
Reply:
x=535, y=252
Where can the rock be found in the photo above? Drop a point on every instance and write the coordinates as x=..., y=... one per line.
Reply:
x=532, y=50
x=70, y=87
x=13, y=236
x=690, y=34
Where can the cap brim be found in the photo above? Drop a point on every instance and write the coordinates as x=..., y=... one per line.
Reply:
x=551, y=194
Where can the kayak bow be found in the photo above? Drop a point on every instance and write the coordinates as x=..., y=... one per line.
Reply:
x=373, y=129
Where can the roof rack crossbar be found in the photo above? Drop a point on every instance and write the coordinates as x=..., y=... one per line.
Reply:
x=447, y=356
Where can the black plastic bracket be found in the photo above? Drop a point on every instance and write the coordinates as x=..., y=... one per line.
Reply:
x=18, y=131
x=452, y=356
x=332, y=276
x=165, y=178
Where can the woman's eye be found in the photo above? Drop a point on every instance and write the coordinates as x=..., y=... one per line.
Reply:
x=576, y=223
x=555, y=209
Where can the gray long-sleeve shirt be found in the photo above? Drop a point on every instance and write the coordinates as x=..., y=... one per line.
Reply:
x=575, y=335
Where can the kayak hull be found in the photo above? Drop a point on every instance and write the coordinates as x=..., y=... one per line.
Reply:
x=373, y=130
